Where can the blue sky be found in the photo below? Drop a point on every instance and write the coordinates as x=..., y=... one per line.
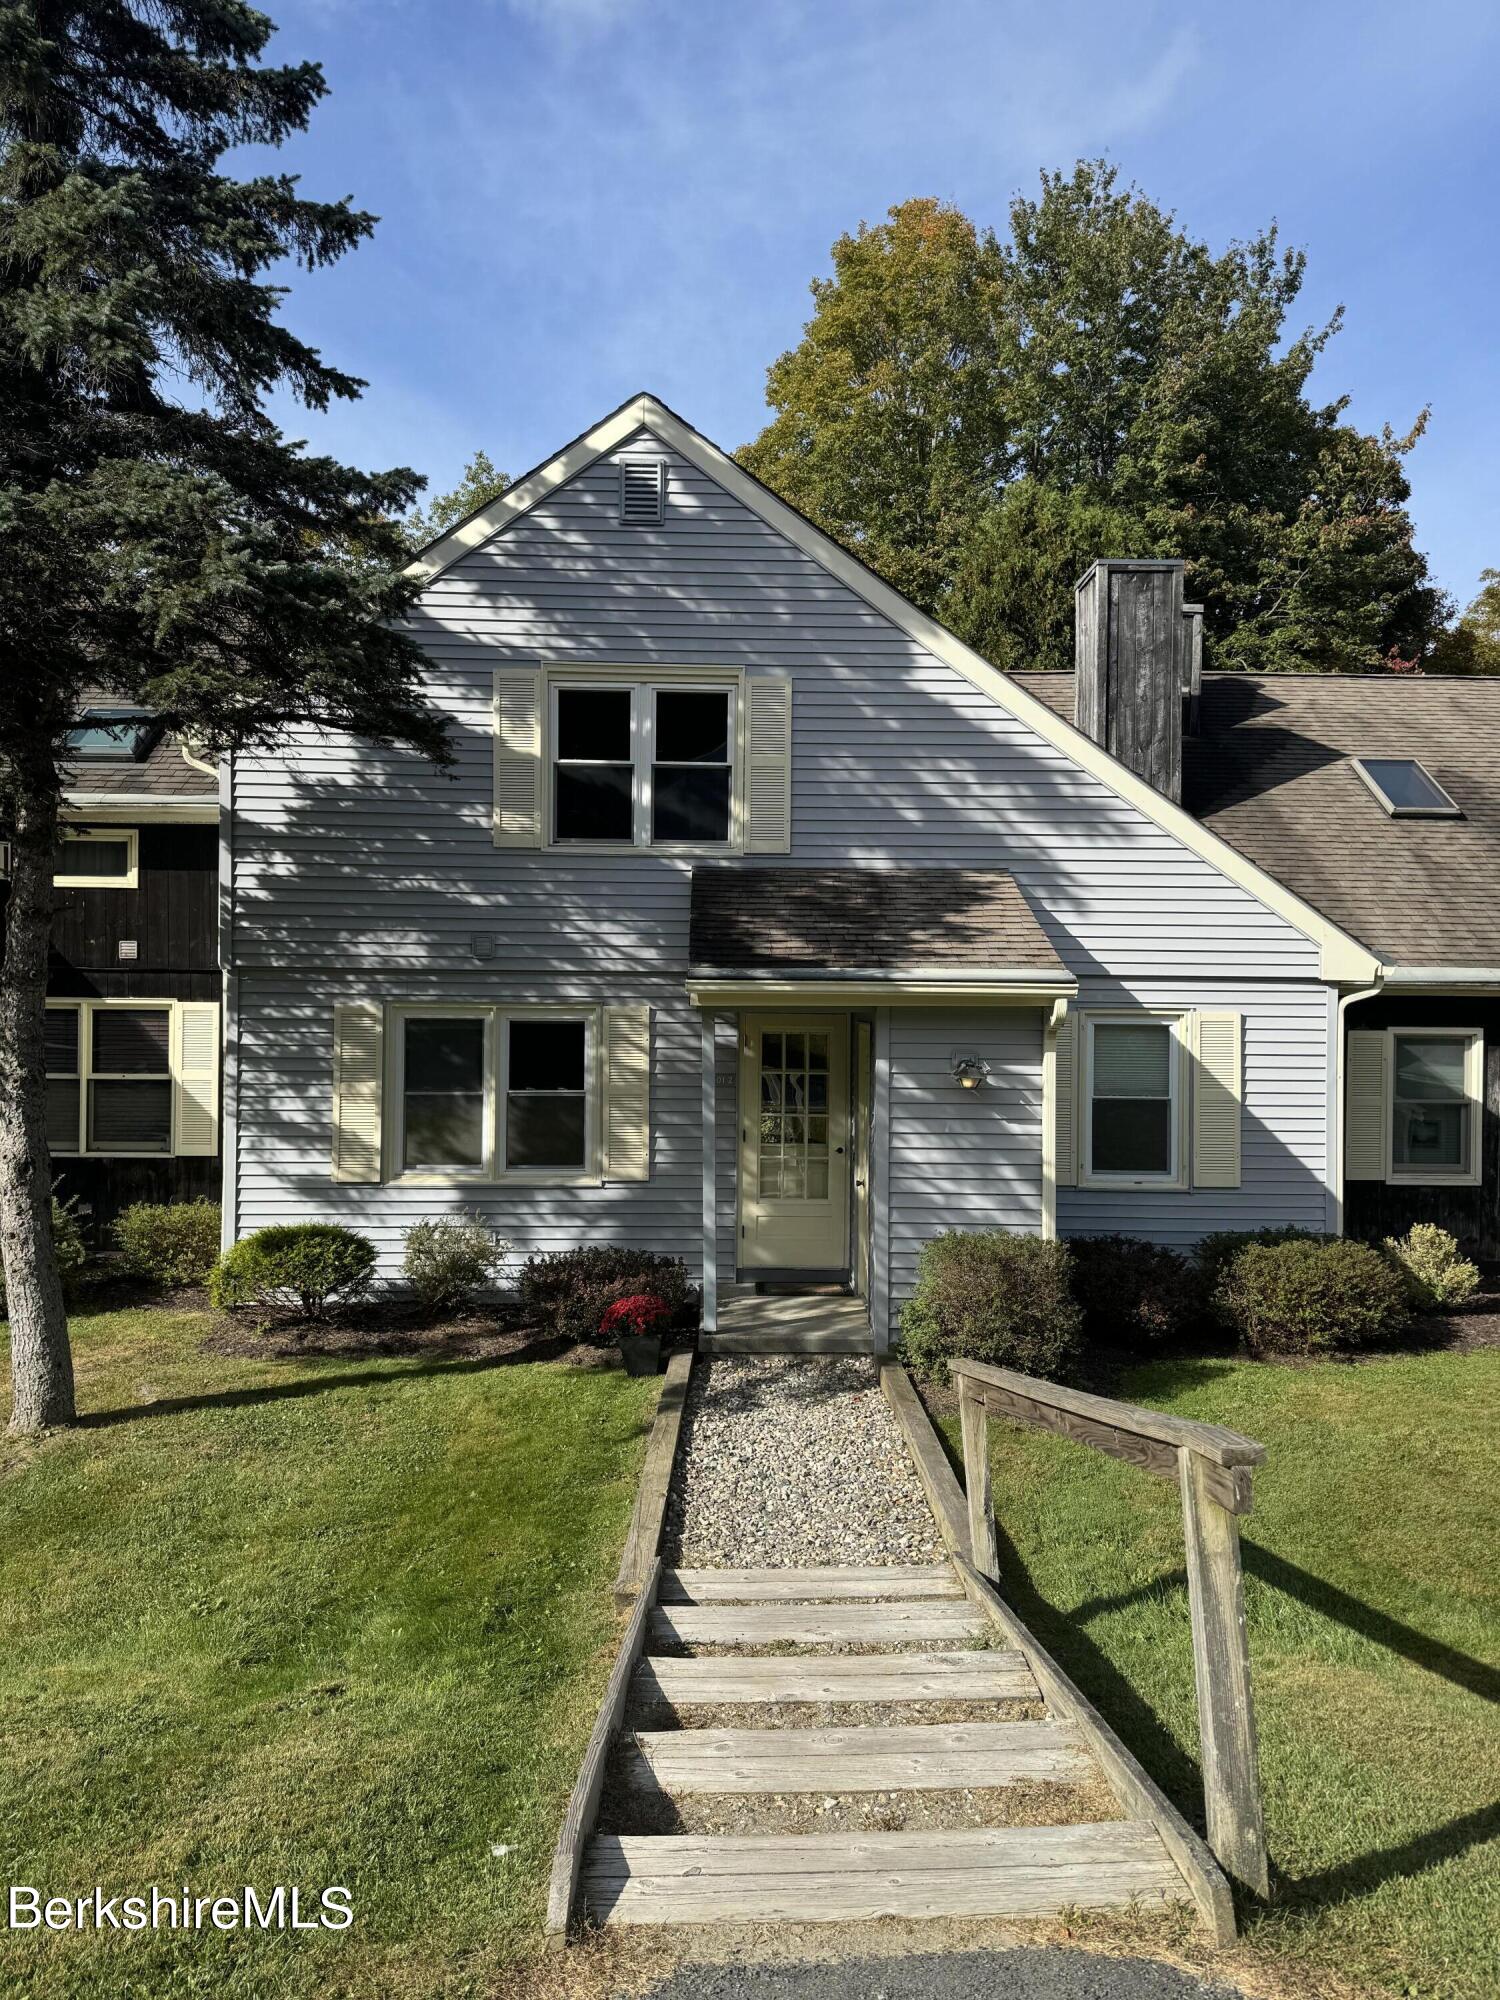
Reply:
x=582, y=198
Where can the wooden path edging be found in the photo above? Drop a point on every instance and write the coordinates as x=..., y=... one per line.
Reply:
x=583, y=1805
x=644, y=1538
x=1138, y=1793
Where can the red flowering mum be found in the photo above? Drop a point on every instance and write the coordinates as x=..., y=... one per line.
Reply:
x=638, y=1314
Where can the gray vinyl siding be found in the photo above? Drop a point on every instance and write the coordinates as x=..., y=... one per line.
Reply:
x=962, y=1159
x=1284, y=1120
x=360, y=872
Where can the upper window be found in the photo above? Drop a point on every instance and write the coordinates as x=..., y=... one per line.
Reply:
x=480, y=1090
x=112, y=736
x=1406, y=788
x=109, y=1078
x=96, y=860
x=1134, y=1091
x=1435, y=1094
x=642, y=765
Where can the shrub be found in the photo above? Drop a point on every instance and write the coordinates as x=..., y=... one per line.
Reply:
x=67, y=1246
x=1301, y=1297
x=1435, y=1274
x=300, y=1268
x=642, y=1312
x=569, y=1290
x=1133, y=1294
x=169, y=1243
x=991, y=1297
x=1215, y=1253
x=449, y=1264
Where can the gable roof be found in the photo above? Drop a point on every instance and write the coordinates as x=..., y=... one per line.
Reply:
x=1342, y=957
x=1270, y=771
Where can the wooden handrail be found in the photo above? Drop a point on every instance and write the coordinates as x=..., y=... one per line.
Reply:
x=1212, y=1469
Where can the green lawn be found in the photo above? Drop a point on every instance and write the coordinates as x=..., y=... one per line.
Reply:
x=1373, y=1598
x=317, y=1621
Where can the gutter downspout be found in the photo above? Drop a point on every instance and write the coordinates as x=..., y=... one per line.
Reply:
x=1346, y=1001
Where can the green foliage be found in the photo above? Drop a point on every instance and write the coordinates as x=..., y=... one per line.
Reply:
x=1472, y=645
x=1437, y=1275
x=297, y=1270
x=978, y=418
x=482, y=481
x=1134, y=1295
x=1214, y=1253
x=1312, y=1298
x=170, y=1243
x=449, y=1264
x=571, y=1290
x=991, y=1297
x=67, y=1246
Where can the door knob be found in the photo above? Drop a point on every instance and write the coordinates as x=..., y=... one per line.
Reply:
x=838, y=1149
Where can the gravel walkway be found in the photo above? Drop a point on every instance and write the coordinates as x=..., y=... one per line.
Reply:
x=790, y=1460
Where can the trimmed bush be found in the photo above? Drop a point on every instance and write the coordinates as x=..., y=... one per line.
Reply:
x=299, y=1269
x=991, y=1297
x=1436, y=1274
x=1134, y=1295
x=68, y=1247
x=1215, y=1253
x=169, y=1243
x=570, y=1290
x=1318, y=1297
x=450, y=1264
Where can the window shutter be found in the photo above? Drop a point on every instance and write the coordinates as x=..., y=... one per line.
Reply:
x=627, y=1094
x=768, y=762
x=1218, y=1097
x=518, y=759
x=1366, y=1105
x=1065, y=1109
x=358, y=1043
x=195, y=1077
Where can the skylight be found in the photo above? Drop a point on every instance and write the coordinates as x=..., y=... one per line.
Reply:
x=1406, y=788
x=112, y=736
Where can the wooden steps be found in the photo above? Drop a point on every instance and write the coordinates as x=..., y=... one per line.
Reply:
x=787, y=1340
x=923, y=1614
x=725, y=1681
x=933, y=1757
x=813, y=1624
x=1013, y=1871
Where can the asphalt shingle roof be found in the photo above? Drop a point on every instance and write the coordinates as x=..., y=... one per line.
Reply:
x=162, y=773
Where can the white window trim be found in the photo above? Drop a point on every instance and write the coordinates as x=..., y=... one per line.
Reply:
x=493, y=1172
x=1177, y=1021
x=1473, y=1040
x=87, y=1074
x=643, y=685
x=129, y=880
x=1449, y=811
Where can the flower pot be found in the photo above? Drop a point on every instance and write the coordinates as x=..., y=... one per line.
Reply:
x=641, y=1353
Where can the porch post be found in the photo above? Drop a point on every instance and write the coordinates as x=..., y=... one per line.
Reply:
x=710, y=1179
x=880, y=1191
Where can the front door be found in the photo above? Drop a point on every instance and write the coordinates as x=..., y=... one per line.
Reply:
x=794, y=1144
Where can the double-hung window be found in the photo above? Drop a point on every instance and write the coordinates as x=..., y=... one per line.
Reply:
x=484, y=1092
x=1133, y=1119
x=1436, y=1090
x=109, y=1078
x=641, y=764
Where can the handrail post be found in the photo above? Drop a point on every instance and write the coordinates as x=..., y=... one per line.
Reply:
x=1221, y=1664
x=974, y=1426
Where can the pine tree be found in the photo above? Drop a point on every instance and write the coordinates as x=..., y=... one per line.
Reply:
x=163, y=542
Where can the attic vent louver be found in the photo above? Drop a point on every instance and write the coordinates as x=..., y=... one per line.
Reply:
x=643, y=488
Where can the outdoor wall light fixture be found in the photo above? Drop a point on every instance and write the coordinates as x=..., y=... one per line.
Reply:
x=970, y=1071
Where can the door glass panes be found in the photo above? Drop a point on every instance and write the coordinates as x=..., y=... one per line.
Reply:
x=594, y=772
x=443, y=1097
x=1131, y=1111
x=130, y=1087
x=690, y=774
x=545, y=1096
x=1431, y=1105
x=794, y=1140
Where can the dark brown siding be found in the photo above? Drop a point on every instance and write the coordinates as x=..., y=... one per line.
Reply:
x=171, y=916
x=1373, y=1209
x=103, y=1187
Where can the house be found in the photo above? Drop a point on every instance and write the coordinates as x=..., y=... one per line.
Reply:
x=762, y=922
x=133, y=985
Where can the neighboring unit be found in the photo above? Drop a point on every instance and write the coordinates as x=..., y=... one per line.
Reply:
x=762, y=922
